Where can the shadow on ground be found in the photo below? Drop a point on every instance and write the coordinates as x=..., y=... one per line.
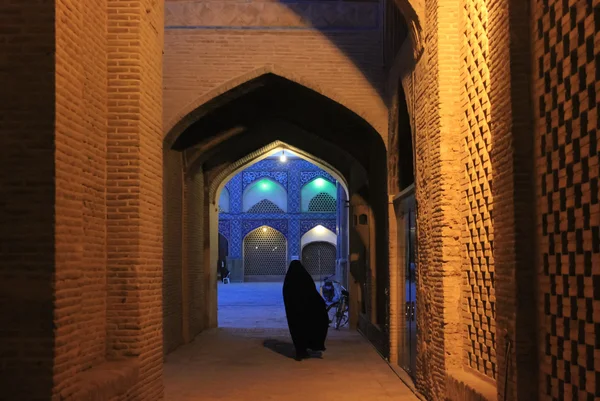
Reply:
x=286, y=348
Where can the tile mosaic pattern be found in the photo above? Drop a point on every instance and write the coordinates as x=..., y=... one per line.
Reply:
x=292, y=175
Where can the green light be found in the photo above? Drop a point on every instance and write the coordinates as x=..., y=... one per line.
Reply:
x=265, y=185
x=319, y=182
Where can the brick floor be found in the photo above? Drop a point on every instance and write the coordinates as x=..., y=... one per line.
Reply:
x=253, y=362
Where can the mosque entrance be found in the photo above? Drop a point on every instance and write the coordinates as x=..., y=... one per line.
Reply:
x=273, y=211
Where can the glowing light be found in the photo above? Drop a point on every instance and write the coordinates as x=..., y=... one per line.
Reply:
x=320, y=229
x=265, y=185
x=264, y=229
x=319, y=182
x=283, y=157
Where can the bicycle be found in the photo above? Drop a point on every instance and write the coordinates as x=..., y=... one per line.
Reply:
x=337, y=302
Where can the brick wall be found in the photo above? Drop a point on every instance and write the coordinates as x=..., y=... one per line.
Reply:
x=196, y=233
x=80, y=220
x=566, y=85
x=150, y=208
x=173, y=250
x=135, y=195
x=27, y=115
x=495, y=91
x=479, y=300
x=512, y=191
x=437, y=159
x=201, y=54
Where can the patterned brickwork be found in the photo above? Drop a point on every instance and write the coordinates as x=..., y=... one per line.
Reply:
x=63, y=175
x=479, y=311
x=568, y=169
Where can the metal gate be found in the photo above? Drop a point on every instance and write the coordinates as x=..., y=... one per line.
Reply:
x=318, y=258
x=265, y=254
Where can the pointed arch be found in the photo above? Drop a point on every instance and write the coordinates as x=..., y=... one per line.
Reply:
x=223, y=177
x=318, y=195
x=264, y=196
x=224, y=201
x=265, y=253
x=242, y=84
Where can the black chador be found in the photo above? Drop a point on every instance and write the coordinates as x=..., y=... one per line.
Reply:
x=305, y=311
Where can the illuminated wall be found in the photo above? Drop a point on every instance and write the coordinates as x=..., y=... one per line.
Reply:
x=278, y=195
x=224, y=201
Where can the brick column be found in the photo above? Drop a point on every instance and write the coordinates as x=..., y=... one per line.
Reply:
x=438, y=198
x=134, y=185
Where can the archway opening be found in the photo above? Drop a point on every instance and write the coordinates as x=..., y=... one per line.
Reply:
x=269, y=223
x=256, y=123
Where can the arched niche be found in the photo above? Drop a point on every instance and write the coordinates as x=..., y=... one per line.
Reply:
x=318, y=196
x=319, y=259
x=264, y=196
x=265, y=254
x=224, y=201
x=318, y=234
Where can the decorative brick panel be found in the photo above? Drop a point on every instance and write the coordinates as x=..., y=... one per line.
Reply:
x=479, y=312
x=567, y=162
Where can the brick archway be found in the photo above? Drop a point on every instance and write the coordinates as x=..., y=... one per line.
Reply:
x=243, y=125
x=208, y=101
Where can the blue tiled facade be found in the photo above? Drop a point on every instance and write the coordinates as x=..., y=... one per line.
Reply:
x=292, y=176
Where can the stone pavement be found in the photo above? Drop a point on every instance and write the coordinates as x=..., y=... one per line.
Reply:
x=255, y=363
x=246, y=305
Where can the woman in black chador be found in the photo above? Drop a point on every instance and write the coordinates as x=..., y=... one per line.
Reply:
x=305, y=310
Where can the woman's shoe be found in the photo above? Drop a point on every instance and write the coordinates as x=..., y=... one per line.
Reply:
x=300, y=355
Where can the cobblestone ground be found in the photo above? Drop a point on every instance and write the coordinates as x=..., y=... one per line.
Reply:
x=253, y=361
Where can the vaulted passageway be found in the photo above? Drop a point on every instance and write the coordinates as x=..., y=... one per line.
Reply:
x=465, y=132
x=237, y=129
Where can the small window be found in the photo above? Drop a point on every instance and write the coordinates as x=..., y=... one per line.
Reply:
x=362, y=219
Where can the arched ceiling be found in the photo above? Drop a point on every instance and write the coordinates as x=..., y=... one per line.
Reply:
x=221, y=158
x=271, y=108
